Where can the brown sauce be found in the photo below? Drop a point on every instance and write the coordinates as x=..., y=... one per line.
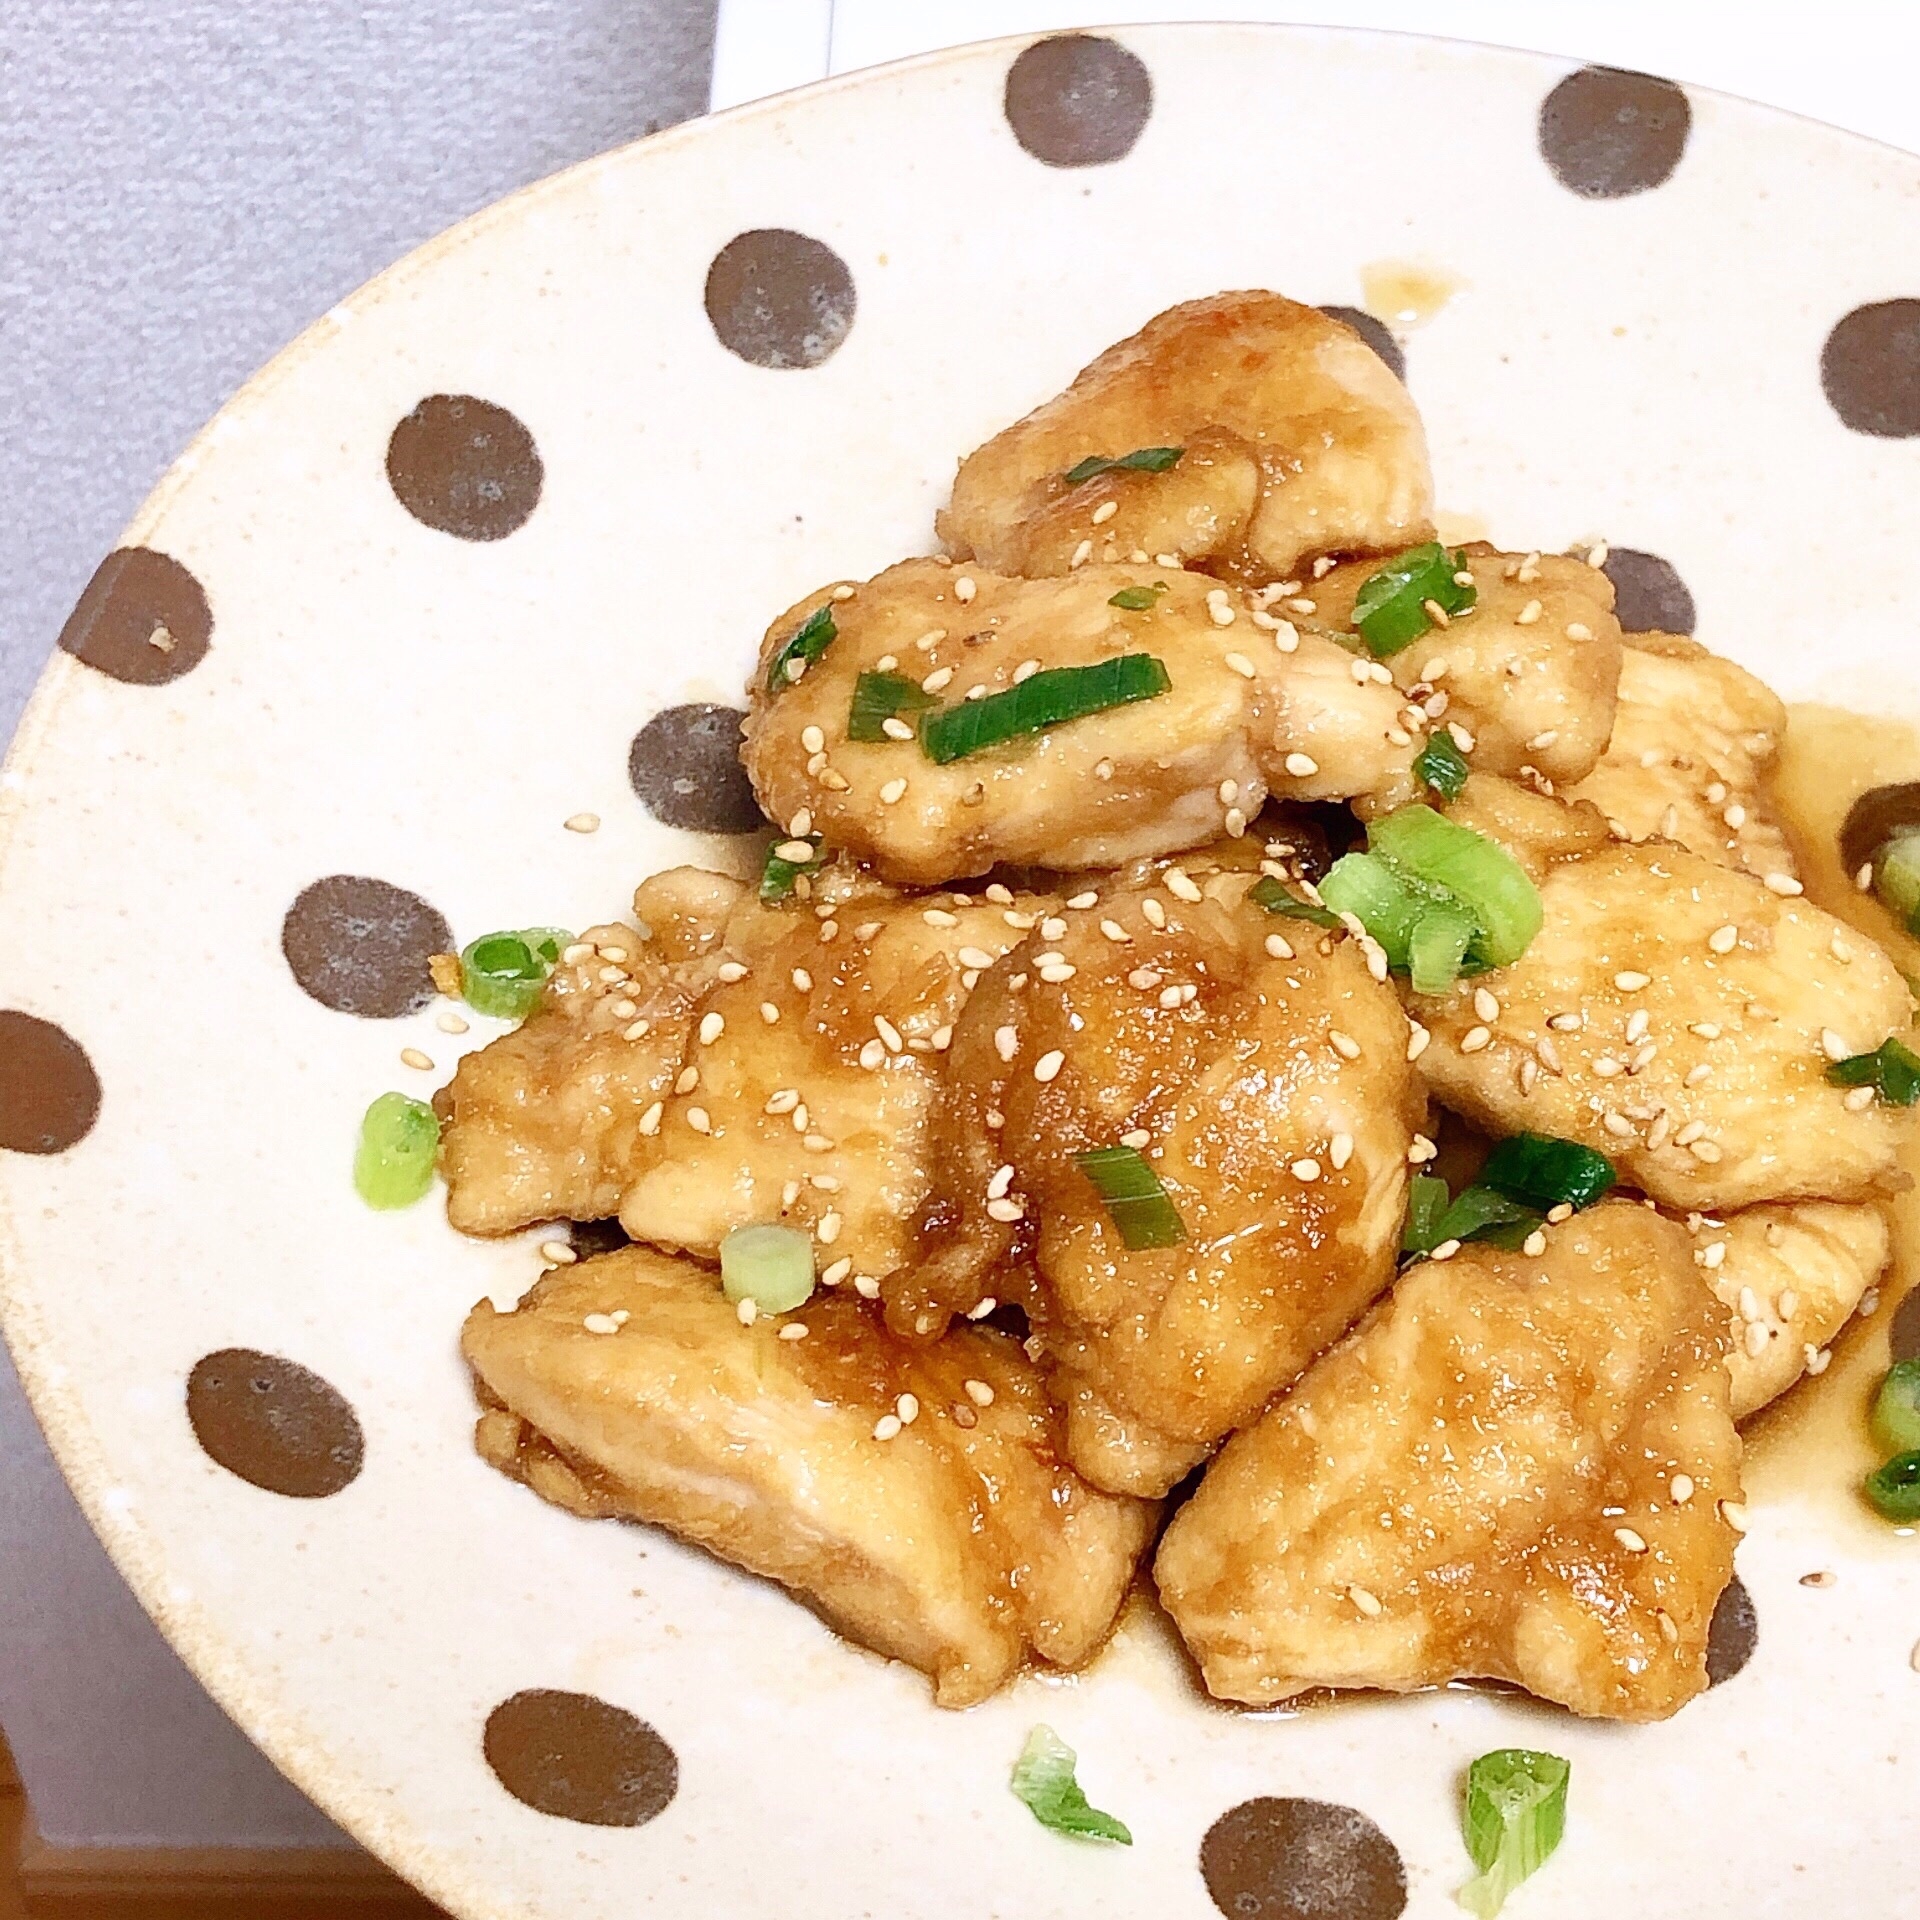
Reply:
x=1404, y=294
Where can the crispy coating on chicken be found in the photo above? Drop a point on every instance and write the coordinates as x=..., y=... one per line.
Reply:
x=1484, y=1481
x=960, y=1545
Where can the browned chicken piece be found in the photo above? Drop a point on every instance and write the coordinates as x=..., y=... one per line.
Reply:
x=1512, y=1470
x=1240, y=718
x=1693, y=737
x=543, y=1123
x=1295, y=439
x=1261, y=1071
x=961, y=1544
x=1527, y=678
x=808, y=1083
x=1792, y=1278
x=1676, y=1015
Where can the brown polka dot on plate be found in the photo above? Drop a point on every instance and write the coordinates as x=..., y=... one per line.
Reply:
x=1903, y=1335
x=685, y=766
x=1301, y=1860
x=780, y=299
x=1607, y=133
x=1649, y=595
x=143, y=619
x=465, y=467
x=1374, y=333
x=1078, y=100
x=49, y=1092
x=273, y=1423
x=1875, y=818
x=579, y=1758
x=1733, y=1634
x=1870, y=369
x=361, y=946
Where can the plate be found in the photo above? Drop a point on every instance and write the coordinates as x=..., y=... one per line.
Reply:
x=476, y=557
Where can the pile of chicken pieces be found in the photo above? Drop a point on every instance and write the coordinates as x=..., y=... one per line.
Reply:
x=1520, y=1466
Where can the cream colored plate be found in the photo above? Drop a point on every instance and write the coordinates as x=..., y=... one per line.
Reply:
x=382, y=698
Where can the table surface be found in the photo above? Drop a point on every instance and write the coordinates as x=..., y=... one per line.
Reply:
x=190, y=182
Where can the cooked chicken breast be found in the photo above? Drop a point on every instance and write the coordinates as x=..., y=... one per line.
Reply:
x=1513, y=1470
x=1296, y=439
x=960, y=1545
x=1240, y=718
x=1261, y=1070
x=1526, y=679
x=1693, y=737
x=1792, y=1278
x=1679, y=1017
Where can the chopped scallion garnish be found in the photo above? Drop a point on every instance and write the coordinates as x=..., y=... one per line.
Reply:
x=1391, y=609
x=802, y=648
x=880, y=697
x=1892, y=1070
x=1136, y=1202
x=502, y=974
x=1138, y=599
x=771, y=1266
x=1438, y=945
x=1542, y=1172
x=1479, y=1213
x=1896, y=878
x=1047, y=699
x=1894, y=1489
x=1516, y=1812
x=1442, y=765
x=784, y=866
x=399, y=1141
x=1426, y=1207
x=1271, y=897
x=1045, y=1783
x=1140, y=460
x=1380, y=897
x=1896, y=1408
x=1477, y=872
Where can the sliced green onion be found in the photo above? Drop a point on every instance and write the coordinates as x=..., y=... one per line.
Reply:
x=399, y=1140
x=1271, y=897
x=1391, y=609
x=1896, y=1408
x=880, y=697
x=1441, y=937
x=1442, y=765
x=1140, y=460
x=1044, y=1783
x=1048, y=699
x=1136, y=1202
x=1426, y=1206
x=1516, y=1813
x=1479, y=873
x=1380, y=897
x=784, y=866
x=1541, y=1172
x=1138, y=599
x=802, y=648
x=1896, y=878
x=1479, y=1213
x=1890, y=1069
x=771, y=1266
x=502, y=974
x=1894, y=1489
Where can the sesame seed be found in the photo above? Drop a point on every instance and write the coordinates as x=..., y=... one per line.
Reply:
x=413, y=1057
x=1788, y=1304
x=1630, y=982
x=1858, y=1099
x=1081, y=554
x=731, y=970
x=873, y=1055
x=1705, y=1152
x=1006, y=1042
x=1579, y=630
x=1783, y=884
x=1567, y=1022
x=908, y=1408
x=1698, y=1076
x=1138, y=1139
x=813, y=739
x=1474, y=1039
x=1420, y=1150
x=1542, y=741
x=1461, y=737
x=1306, y=1169
x=1681, y=1488
x=769, y=1012
x=1534, y=1244
x=1082, y=901
x=894, y=791
x=964, y=589
x=450, y=1023
x=1833, y=1046
x=940, y=917
x=583, y=823
x=1606, y=1066
x=1340, y=1150
x=699, y=1120
x=1006, y=1211
x=1418, y=1039
x=1637, y=1027
x=1048, y=1066
x=1818, y=1359
x=794, y=850
x=1105, y=512
x=1617, y=1124
x=1723, y=939
x=1527, y=614
x=1706, y=1029
x=829, y=1228
x=1277, y=947
x=896, y=729
x=1445, y=1250
x=1301, y=765
x=1365, y=1602
x=601, y=1323
x=1630, y=1540
x=1116, y=932
x=1025, y=671
x=650, y=1120
x=887, y=1427
x=1344, y=1044
x=688, y=1079
x=1434, y=612
x=1555, y=1214
x=1734, y=1513
x=746, y=1310
x=1485, y=1005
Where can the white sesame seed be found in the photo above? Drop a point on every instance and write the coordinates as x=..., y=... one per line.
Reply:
x=829, y=1228
x=964, y=589
x=1306, y=1169
x=1365, y=1602
x=1706, y=1029
x=1783, y=884
x=1630, y=982
x=1723, y=939
x=746, y=1310
x=413, y=1057
x=873, y=1055
x=797, y=851
x=1340, y=1150
x=1474, y=1039
x=1105, y=512
x=1420, y=1150
x=1818, y=1359
x=1705, y=1152
x=896, y=729
x=1535, y=1244
x=1344, y=1044
x=450, y=1023
x=712, y=1026
x=1081, y=555
x=1579, y=630
x=699, y=1120
x=1637, y=1027
x=1527, y=614
x=1555, y=1214
x=1542, y=741
x=887, y=1427
x=1681, y=1488
x=1080, y=902
x=1756, y=1339
x=601, y=1323
x=769, y=1012
x=908, y=1408
x=813, y=739
x=1461, y=737
x=1858, y=1099
x=649, y=1122
x=1833, y=1046
x=1048, y=1066
x=1302, y=765
x=688, y=1079
x=1485, y=1005
x=1630, y=1540
x=1006, y=1211
x=1418, y=1039
x=893, y=792
x=583, y=823
x=1445, y=1250
x=1277, y=947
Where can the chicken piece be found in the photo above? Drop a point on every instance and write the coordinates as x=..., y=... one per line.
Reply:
x=1529, y=675
x=1154, y=776
x=1679, y=1017
x=1262, y=1071
x=958, y=1545
x=543, y=1123
x=1792, y=1277
x=1486, y=1480
x=1301, y=442
x=806, y=1093
x=1693, y=737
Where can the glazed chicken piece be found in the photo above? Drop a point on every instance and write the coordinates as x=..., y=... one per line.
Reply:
x=809, y=1078
x=1527, y=678
x=544, y=1123
x=1792, y=1278
x=1693, y=737
x=1240, y=718
x=627, y=1385
x=1294, y=437
x=1512, y=1470
x=1261, y=1071
x=1677, y=1016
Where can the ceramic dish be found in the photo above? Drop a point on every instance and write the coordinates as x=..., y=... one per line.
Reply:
x=367, y=656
